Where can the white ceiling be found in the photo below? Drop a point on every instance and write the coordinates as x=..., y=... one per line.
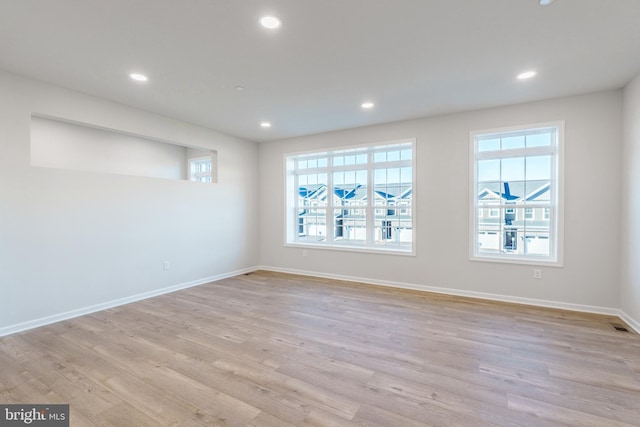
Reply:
x=413, y=58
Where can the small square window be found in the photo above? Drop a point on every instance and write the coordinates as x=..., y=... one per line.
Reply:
x=202, y=169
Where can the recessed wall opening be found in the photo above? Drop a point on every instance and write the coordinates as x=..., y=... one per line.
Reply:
x=61, y=144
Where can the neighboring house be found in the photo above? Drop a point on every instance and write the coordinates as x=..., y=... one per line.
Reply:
x=526, y=223
x=391, y=213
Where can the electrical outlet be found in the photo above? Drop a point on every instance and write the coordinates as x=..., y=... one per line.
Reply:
x=537, y=273
x=304, y=252
x=166, y=265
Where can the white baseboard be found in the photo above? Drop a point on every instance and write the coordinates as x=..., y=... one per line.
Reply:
x=629, y=321
x=43, y=321
x=457, y=292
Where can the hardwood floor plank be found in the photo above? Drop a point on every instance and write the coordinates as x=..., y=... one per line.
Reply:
x=372, y=416
x=331, y=401
x=125, y=414
x=562, y=414
x=267, y=420
x=320, y=418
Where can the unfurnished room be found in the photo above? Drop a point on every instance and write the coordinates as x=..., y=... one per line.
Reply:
x=366, y=213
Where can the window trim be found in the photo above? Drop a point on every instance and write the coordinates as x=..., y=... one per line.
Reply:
x=290, y=220
x=556, y=259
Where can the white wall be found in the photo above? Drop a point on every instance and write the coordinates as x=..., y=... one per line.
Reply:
x=630, y=224
x=590, y=276
x=71, y=240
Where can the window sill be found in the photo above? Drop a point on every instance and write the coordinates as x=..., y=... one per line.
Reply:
x=359, y=249
x=519, y=260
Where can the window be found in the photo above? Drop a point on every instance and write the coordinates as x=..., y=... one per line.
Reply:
x=528, y=213
x=516, y=173
x=354, y=198
x=200, y=169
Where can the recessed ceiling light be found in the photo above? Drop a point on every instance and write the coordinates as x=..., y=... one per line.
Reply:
x=138, y=77
x=265, y=124
x=545, y=2
x=367, y=105
x=271, y=22
x=526, y=75
x=239, y=88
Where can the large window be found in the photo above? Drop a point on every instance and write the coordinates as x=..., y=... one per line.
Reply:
x=516, y=194
x=355, y=198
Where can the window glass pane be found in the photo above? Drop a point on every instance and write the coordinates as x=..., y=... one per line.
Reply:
x=312, y=190
x=338, y=161
x=350, y=188
x=538, y=191
x=380, y=186
x=361, y=177
x=512, y=142
x=489, y=193
x=392, y=228
x=406, y=175
x=537, y=243
x=405, y=191
x=393, y=156
x=513, y=191
x=489, y=144
x=312, y=225
x=393, y=176
x=380, y=156
x=322, y=163
x=538, y=167
x=406, y=155
x=513, y=169
x=389, y=185
x=489, y=170
x=539, y=139
x=488, y=238
x=350, y=226
x=379, y=177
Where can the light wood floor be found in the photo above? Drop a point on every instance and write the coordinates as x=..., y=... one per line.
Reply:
x=270, y=349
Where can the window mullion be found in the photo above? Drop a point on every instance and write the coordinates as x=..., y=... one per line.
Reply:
x=369, y=210
x=329, y=215
x=296, y=204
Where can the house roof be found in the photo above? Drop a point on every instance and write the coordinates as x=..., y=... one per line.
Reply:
x=540, y=190
x=357, y=192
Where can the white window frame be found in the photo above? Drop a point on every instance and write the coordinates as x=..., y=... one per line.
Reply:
x=556, y=231
x=370, y=209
